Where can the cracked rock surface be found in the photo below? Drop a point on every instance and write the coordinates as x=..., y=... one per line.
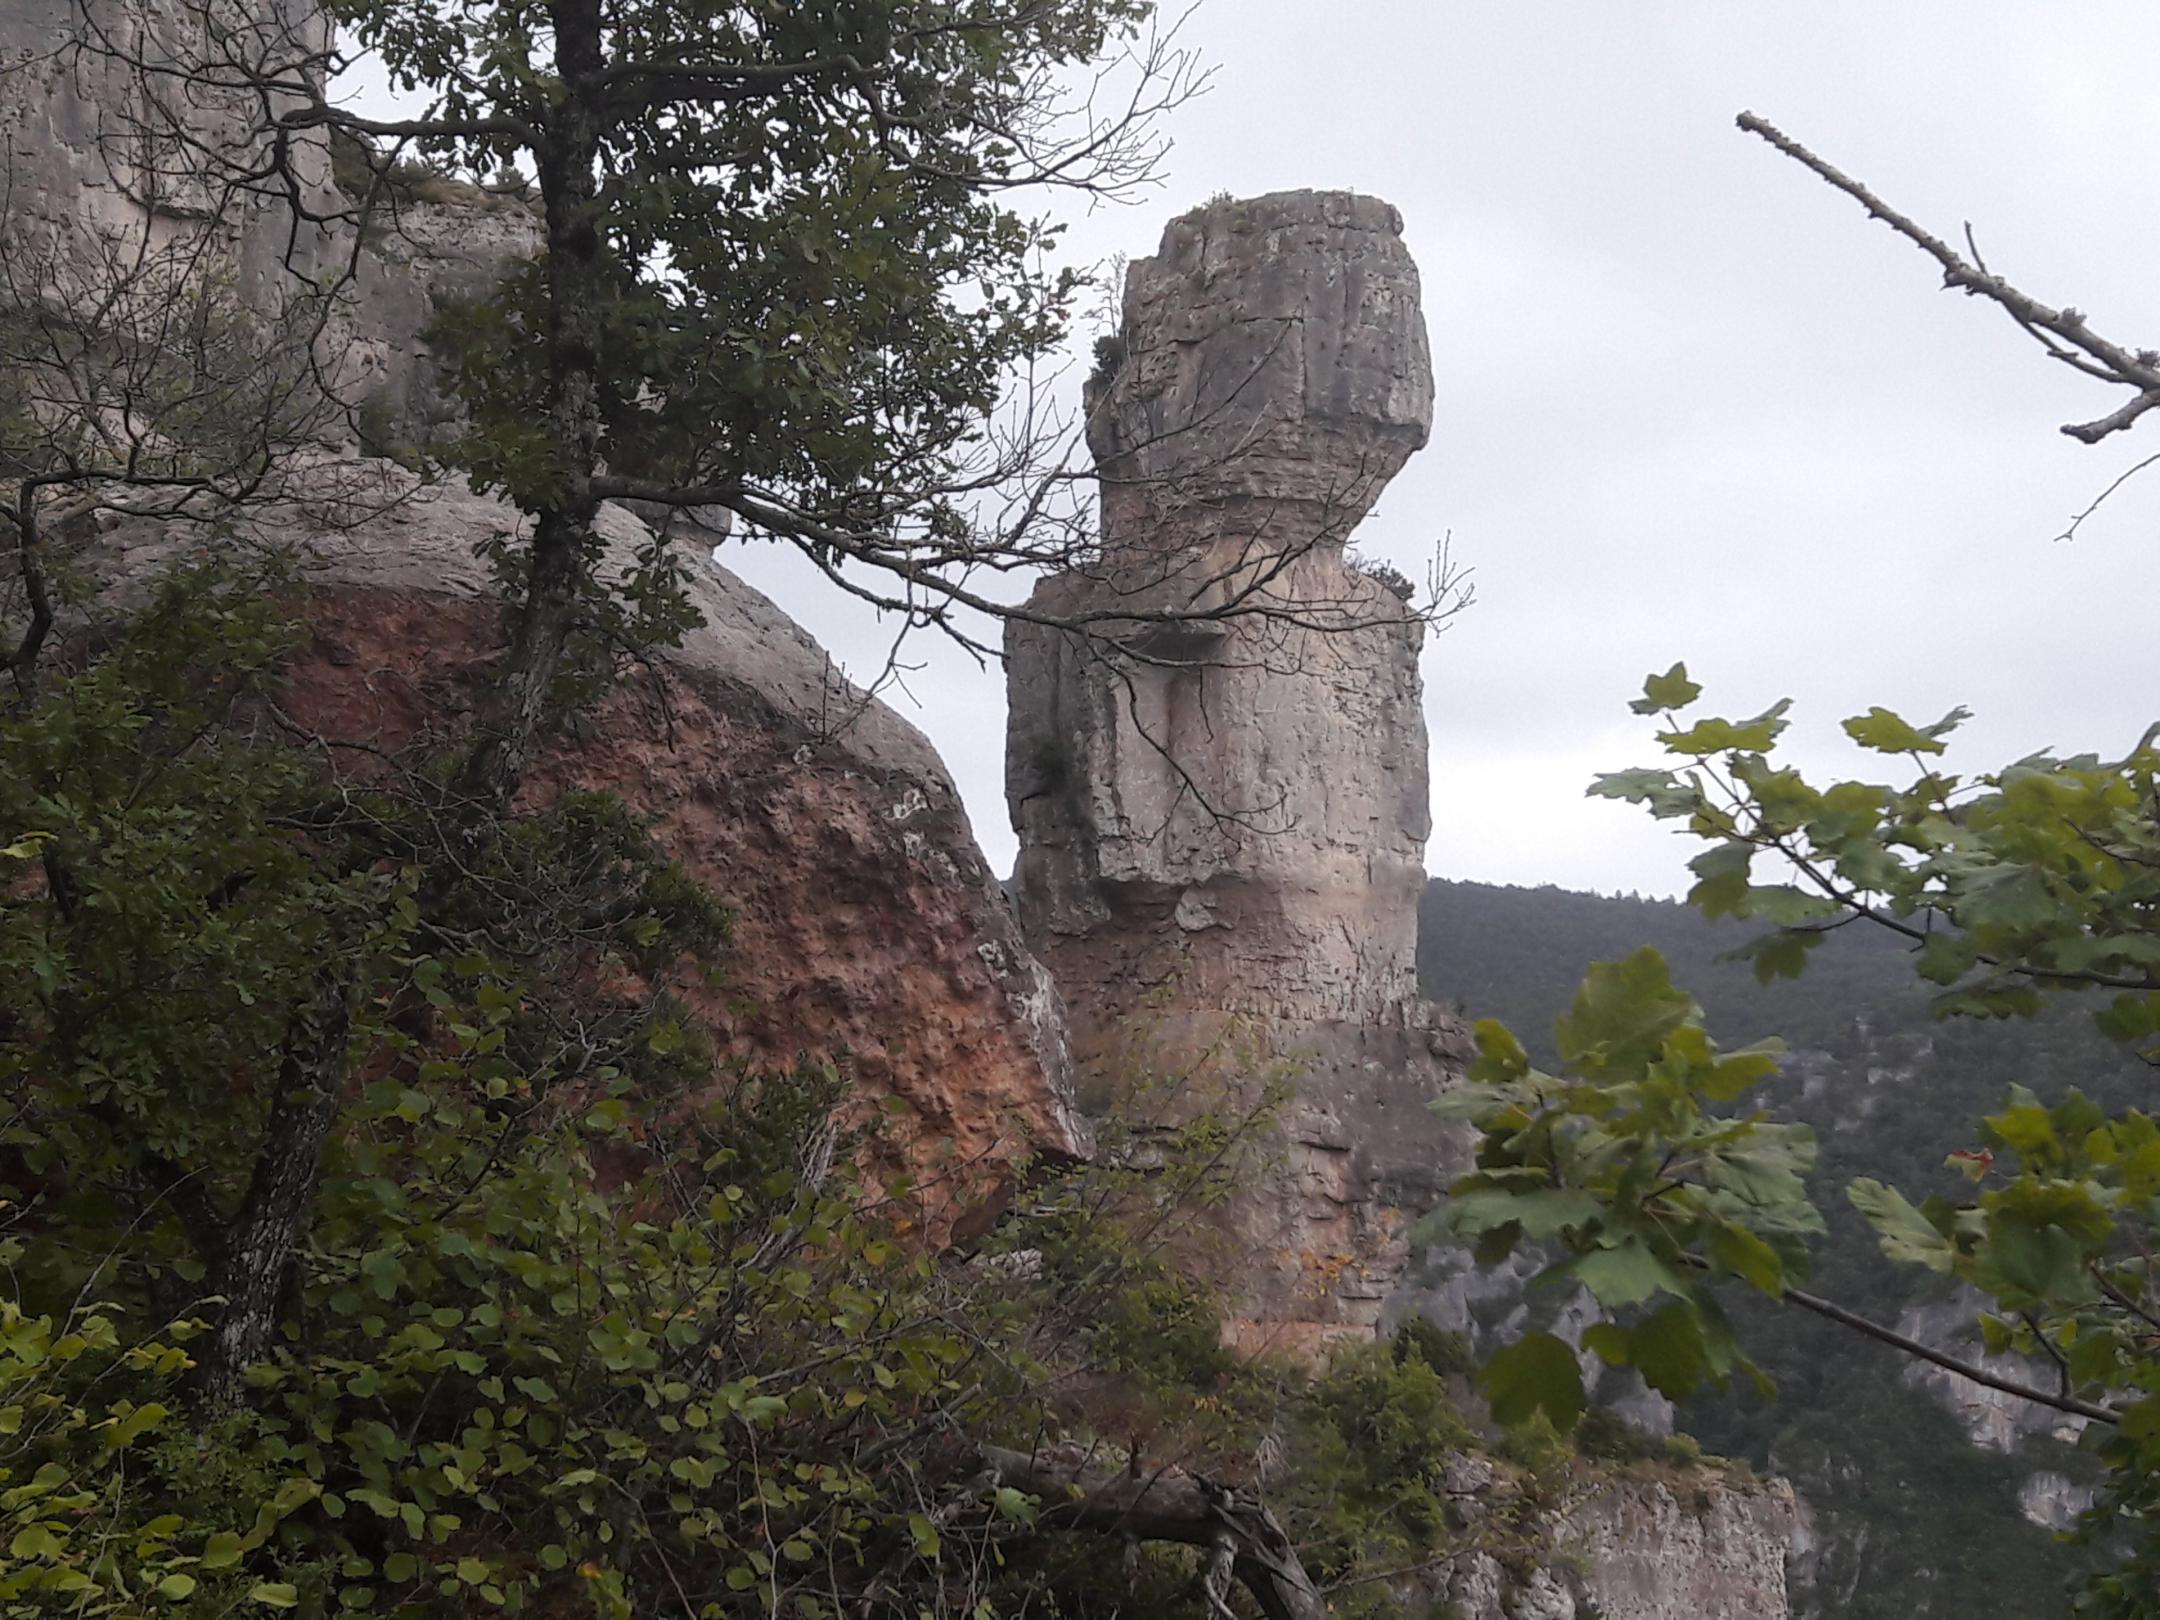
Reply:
x=1222, y=824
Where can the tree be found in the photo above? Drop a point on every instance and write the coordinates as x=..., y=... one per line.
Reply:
x=782, y=270
x=1639, y=1168
x=396, y=1077
x=567, y=1314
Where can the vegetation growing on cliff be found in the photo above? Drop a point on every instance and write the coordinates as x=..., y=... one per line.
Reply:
x=570, y=1315
x=1641, y=1163
x=1932, y=1526
x=1631, y=1162
x=380, y=1234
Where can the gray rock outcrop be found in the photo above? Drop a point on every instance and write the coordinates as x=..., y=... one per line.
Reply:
x=1649, y=1544
x=122, y=177
x=1710, y=1548
x=1220, y=792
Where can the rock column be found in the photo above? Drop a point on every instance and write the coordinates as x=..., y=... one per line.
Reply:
x=1220, y=784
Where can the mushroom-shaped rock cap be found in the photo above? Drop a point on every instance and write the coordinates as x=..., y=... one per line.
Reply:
x=1273, y=351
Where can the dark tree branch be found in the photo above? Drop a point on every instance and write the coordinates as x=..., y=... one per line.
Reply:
x=2061, y=332
x=251, y=1273
x=1831, y=1311
x=1168, y=1505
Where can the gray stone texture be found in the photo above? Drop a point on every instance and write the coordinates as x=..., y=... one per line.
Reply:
x=1271, y=368
x=1223, y=818
x=1649, y=1544
x=111, y=165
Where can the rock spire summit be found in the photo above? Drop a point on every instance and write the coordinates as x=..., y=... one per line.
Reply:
x=1222, y=819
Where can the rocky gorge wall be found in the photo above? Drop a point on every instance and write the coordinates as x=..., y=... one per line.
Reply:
x=121, y=179
x=867, y=928
x=1220, y=794
x=1660, y=1544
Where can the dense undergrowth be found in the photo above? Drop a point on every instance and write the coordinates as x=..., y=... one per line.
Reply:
x=577, y=1318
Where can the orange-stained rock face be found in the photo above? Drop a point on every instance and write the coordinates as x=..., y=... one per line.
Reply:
x=868, y=928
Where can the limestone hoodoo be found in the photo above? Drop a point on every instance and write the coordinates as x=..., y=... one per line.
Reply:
x=1220, y=796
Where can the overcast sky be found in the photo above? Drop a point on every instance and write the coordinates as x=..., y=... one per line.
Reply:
x=1692, y=403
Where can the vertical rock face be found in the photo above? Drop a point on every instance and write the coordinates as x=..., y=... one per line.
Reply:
x=1270, y=376
x=105, y=146
x=1257, y=783
x=1221, y=794
x=118, y=169
x=1651, y=1543
x=1707, y=1550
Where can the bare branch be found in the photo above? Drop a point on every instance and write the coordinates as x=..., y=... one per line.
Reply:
x=1949, y=1363
x=2061, y=332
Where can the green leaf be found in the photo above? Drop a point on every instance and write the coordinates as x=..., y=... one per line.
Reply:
x=1885, y=733
x=1501, y=1057
x=1622, y=1014
x=1740, y=1253
x=1662, y=694
x=1667, y=795
x=1608, y=1341
x=1722, y=886
x=1782, y=955
x=176, y=1587
x=1906, y=1235
x=1538, y=1373
x=1538, y=1214
x=275, y=1595
x=2040, y=1258
x=1734, y=1074
x=1668, y=1348
x=35, y=1541
x=1719, y=736
x=1626, y=1274
x=131, y=1427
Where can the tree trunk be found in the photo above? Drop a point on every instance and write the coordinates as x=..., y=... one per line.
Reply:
x=251, y=1273
x=563, y=547
x=1171, y=1505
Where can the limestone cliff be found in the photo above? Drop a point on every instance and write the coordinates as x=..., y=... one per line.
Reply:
x=1220, y=792
x=1220, y=796
x=2043, y=1441
x=1222, y=818
x=117, y=176
x=1647, y=1544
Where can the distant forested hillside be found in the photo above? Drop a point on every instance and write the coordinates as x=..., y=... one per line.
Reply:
x=1914, y=1522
